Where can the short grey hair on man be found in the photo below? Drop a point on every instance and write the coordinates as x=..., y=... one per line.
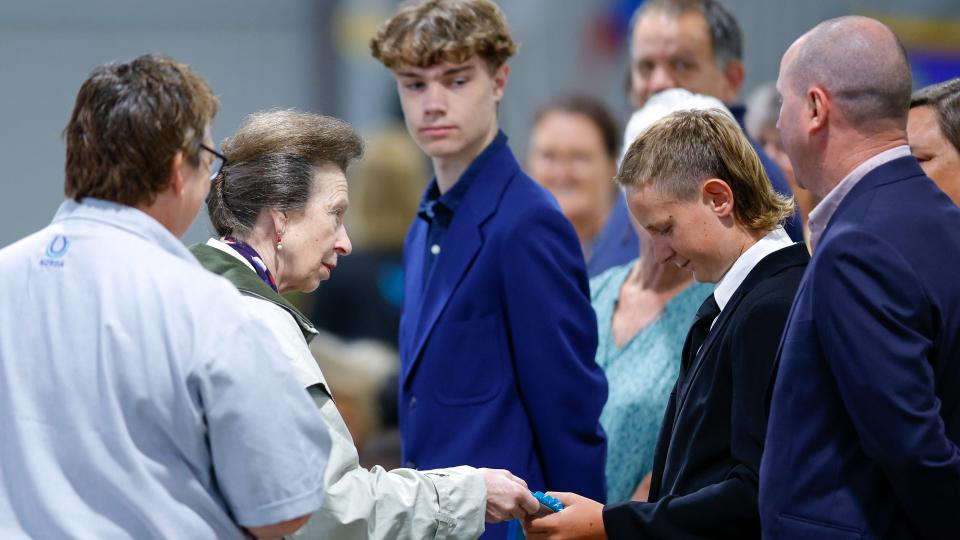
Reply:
x=944, y=98
x=863, y=67
x=726, y=39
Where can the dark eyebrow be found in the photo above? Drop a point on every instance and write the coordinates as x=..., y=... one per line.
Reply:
x=457, y=70
x=658, y=226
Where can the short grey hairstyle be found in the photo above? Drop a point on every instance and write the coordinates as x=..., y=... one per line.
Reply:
x=944, y=98
x=270, y=164
x=726, y=39
x=866, y=75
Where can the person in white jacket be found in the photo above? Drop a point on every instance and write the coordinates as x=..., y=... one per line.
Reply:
x=278, y=206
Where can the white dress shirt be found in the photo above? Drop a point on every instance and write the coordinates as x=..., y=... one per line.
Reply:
x=775, y=240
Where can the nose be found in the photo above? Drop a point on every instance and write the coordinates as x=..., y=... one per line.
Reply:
x=343, y=246
x=553, y=171
x=661, y=250
x=434, y=100
x=661, y=79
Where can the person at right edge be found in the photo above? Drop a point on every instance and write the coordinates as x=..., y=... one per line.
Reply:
x=865, y=414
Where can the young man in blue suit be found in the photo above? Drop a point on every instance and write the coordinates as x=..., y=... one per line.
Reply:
x=695, y=183
x=497, y=337
x=865, y=415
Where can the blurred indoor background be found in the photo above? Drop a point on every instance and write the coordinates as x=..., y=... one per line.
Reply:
x=314, y=55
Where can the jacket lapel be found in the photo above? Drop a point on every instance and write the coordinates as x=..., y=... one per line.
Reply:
x=414, y=250
x=460, y=246
x=770, y=265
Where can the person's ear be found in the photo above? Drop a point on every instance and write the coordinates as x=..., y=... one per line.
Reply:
x=719, y=197
x=818, y=108
x=177, y=178
x=500, y=76
x=279, y=222
x=735, y=74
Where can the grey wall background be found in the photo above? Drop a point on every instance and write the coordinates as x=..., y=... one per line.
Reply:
x=312, y=55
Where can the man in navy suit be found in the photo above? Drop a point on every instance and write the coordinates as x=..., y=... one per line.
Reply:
x=865, y=413
x=497, y=336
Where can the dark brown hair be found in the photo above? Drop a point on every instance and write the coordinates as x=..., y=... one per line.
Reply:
x=129, y=121
x=270, y=164
x=682, y=150
x=595, y=111
x=944, y=98
x=430, y=32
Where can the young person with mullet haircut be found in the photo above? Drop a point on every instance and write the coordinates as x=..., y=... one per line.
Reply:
x=497, y=338
x=695, y=183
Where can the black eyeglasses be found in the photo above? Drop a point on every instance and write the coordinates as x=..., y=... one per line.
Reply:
x=217, y=164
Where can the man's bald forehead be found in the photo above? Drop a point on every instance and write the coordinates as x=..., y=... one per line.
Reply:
x=859, y=62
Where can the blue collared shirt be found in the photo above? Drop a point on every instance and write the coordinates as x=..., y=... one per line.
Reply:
x=137, y=397
x=438, y=209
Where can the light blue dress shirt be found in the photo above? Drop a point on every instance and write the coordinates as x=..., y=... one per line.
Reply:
x=640, y=376
x=137, y=400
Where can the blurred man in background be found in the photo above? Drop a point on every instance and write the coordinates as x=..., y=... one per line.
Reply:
x=696, y=45
x=933, y=129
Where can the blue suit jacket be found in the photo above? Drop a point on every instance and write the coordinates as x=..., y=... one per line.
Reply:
x=497, y=351
x=865, y=413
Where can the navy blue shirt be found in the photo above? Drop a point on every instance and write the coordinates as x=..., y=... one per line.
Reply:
x=437, y=210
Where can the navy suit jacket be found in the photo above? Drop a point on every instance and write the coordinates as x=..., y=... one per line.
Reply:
x=865, y=412
x=497, y=350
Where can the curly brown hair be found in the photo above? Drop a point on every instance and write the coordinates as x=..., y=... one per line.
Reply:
x=129, y=121
x=430, y=32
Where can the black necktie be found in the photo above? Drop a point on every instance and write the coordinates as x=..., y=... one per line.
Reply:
x=698, y=332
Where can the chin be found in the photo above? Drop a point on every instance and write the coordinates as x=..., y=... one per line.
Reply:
x=312, y=285
x=440, y=148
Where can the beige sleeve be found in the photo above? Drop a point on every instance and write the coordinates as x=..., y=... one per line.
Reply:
x=402, y=503
x=376, y=503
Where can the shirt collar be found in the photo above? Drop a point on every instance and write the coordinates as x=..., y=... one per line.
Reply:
x=451, y=200
x=222, y=246
x=126, y=218
x=774, y=240
x=821, y=214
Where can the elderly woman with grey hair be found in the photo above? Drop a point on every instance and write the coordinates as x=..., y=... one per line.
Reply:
x=933, y=129
x=278, y=206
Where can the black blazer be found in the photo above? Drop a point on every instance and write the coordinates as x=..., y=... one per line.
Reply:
x=707, y=460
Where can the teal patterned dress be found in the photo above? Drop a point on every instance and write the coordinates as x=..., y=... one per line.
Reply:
x=640, y=376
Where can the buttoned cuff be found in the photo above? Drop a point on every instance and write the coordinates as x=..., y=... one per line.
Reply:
x=462, y=498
